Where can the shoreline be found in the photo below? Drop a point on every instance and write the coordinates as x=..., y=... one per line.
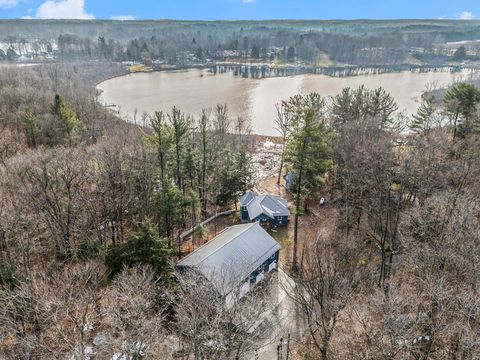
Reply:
x=259, y=128
x=292, y=71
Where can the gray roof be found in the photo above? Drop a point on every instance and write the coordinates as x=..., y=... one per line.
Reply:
x=247, y=198
x=232, y=255
x=270, y=205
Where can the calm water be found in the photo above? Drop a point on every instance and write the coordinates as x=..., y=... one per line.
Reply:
x=255, y=99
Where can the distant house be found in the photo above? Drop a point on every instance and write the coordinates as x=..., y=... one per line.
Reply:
x=235, y=260
x=264, y=208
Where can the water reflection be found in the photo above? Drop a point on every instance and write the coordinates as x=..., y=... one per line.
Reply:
x=254, y=99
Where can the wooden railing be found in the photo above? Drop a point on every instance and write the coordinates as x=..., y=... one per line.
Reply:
x=204, y=222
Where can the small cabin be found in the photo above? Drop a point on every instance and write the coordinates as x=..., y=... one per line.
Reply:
x=264, y=208
x=235, y=260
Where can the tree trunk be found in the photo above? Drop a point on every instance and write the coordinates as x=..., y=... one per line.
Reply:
x=281, y=162
x=295, y=229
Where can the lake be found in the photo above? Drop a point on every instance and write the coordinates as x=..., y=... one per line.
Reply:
x=254, y=99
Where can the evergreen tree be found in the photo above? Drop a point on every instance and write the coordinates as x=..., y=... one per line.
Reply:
x=461, y=101
x=255, y=53
x=206, y=151
x=190, y=168
x=162, y=140
x=234, y=179
x=31, y=127
x=180, y=130
x=71, y=125
x=308, y=151
x=143, y=246
x=199, y=53
x=358, y=104
x=423, y=120
x=170, y=209
x=380, y=104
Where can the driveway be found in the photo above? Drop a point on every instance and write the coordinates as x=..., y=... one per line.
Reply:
x=282, y=325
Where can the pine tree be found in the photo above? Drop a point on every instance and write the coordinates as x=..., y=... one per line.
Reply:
x=461, y=101
x=254, y=53
x=162, y=140
x=235, y=177
x=31, y=127
x=143, y=246
x=181, y=128
x=206, y=145
x=422, y=121
x=170, y=209
x=308, y=151
x=358, y=104
x=71, y=125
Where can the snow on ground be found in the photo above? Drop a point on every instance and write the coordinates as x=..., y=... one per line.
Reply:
x=266, y=159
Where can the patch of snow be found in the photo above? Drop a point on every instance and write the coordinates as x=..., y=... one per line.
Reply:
x=99, y=339
x=118, y=356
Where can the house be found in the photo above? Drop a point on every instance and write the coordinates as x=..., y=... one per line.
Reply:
x=264, y=208
x=235, y=260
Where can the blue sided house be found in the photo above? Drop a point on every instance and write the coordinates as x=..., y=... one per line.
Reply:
x=265, y=208
x=235, y=260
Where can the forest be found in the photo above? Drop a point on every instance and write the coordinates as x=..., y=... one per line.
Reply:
x=92, y=208
x=316, y=43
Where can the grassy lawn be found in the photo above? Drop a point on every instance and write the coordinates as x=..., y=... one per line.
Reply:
x=140, y=68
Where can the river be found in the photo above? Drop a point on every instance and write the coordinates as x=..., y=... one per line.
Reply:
x=254, y=99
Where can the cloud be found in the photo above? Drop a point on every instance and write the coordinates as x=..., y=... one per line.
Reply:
x=9, y=3
x=466, y=15
x=122, y=17
x=248, y=1
x=63, y=9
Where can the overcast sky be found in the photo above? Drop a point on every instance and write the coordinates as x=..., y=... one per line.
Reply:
x=241, y=9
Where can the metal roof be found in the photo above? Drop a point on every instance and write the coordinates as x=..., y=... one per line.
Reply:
x=247, y=198
x=230, y=257
x=270, y=205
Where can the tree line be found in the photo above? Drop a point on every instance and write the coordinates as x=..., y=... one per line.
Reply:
x=404, y=191
x=350, y=42
x=91, y=209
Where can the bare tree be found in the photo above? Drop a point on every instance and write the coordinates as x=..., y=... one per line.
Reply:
x=57, y=183
x=136, y=316
x=53, y=317
x=325, y=286
x=222, y=121
x=114, y=188
x=210, y=328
